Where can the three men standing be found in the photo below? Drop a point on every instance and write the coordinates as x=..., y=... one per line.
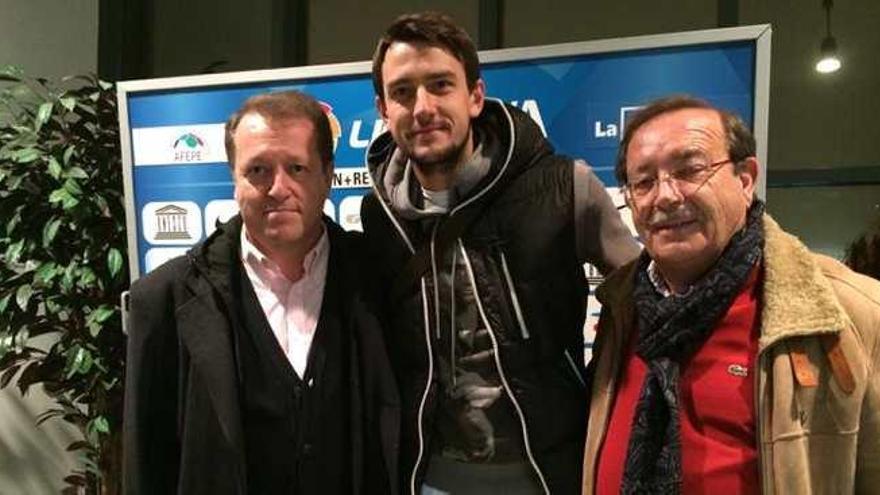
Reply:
x=481, y=231
x=729, y=358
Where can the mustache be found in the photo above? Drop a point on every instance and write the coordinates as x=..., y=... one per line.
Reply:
x=429, y=126
x=681, y=214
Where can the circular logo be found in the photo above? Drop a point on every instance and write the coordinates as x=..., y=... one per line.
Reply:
x=335, y=127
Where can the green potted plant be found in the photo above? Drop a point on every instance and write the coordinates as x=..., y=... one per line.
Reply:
x=62, y=261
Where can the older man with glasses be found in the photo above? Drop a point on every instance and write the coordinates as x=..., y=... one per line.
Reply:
x=729, y=358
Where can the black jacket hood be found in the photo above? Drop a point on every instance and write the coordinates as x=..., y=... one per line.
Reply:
x=516, y=139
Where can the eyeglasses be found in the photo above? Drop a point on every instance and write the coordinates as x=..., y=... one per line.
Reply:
x=687, y=179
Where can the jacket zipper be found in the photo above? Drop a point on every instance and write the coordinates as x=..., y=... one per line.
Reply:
x=426, y=314
x=513, y=299
x=510, y=395
x=452, y=309
x=574, y=368
x=425, y=308
x=436, y=283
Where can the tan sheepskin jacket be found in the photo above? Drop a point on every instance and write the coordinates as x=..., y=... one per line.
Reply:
x=817, y=382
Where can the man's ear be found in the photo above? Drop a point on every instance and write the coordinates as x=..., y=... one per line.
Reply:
x=477, y=99
x=380, y=107
x=748, y=177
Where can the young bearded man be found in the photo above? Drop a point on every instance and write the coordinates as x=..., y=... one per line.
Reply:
x=482, y=232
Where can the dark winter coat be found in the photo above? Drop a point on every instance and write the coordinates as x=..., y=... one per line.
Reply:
x=184, y=425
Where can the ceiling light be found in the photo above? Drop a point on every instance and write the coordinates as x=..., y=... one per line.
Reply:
x=829, y=61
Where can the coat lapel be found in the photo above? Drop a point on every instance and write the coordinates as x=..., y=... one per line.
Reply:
x=798, y=298
x=206, y=335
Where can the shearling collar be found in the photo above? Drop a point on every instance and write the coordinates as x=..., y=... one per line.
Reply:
x=797, y=297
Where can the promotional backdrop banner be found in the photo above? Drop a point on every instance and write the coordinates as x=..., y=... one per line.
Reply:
x=177, y=180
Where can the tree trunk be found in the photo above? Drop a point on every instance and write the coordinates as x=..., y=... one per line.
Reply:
x=111, y=464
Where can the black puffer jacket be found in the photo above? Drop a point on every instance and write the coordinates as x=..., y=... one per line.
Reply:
x=521, y=247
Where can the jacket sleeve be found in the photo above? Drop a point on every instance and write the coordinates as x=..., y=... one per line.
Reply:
x=868, y=457
x=151, y=448
x=602, y=238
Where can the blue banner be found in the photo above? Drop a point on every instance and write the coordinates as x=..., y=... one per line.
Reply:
x=181, y=183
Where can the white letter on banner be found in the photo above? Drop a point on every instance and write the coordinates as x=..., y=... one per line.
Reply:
x=355, y=141
x=609, y=130
x=531, y=107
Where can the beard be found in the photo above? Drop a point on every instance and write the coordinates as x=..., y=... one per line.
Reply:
x=442, y=160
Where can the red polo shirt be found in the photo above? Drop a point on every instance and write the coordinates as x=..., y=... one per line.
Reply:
x=717, y=414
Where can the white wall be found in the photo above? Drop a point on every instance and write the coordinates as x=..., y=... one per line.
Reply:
x=49, y=38
x=46, y=38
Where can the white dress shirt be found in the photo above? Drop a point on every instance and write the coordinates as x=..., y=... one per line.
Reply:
x=292, y=308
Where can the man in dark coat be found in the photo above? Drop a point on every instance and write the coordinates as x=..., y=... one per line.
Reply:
x=482, y=231
x=256, y=362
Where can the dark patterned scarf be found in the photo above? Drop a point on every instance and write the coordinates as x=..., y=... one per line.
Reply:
x=671, y=329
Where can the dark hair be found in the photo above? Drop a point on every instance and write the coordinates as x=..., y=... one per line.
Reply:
x=740, y=141
x=429, y=29
x=863, y=255
x=278, y=107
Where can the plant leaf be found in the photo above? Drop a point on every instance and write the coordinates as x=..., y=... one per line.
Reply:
x=43, y=114
x=114, y=261
x=87, y=277
x=26, y=155
x=101, y=425
x=58, y=195
x=30, y=375
x=5, y=343
x=69, y=202
x=13, y=251
x=76, y=173
x=86, y=363
x=67, y=279
x=45, y=273
x=20, y=341
x=49, y=231
x=68, y=102
x=68, y=153
x=64, y=197
x=102, y=314
x=72, y=187
x=13, y=222
x=75, y=357
x=54, y=168
x=23, y=296
x=5, y=302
